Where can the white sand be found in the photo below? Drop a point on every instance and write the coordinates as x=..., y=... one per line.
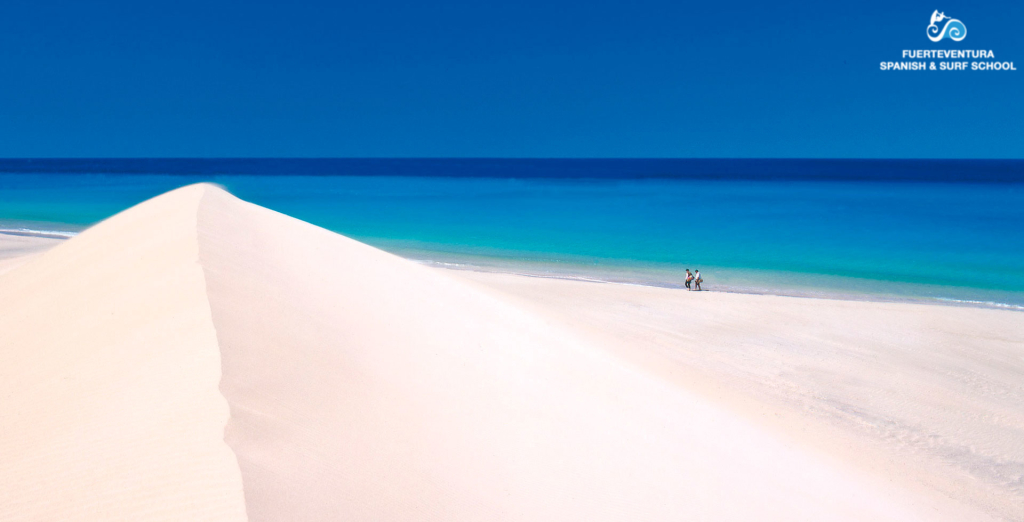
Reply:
x=17, y=249
x=363, y=386
x=929, y=397
x=109, y=367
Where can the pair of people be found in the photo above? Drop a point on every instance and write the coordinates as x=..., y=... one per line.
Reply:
x=693, y=279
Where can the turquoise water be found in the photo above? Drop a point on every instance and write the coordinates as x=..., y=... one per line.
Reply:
x=930, y=240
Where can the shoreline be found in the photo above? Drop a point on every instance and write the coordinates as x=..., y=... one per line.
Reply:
x=578, y=272
x=49, y=234
x=796, y=293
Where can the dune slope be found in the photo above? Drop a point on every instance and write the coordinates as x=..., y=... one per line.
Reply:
x=109, y=368
x=199, y=357
x=365, y=386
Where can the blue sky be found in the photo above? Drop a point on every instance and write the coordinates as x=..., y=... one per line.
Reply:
x=517, y=79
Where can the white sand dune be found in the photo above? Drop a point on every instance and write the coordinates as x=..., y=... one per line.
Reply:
x=109, y=374
x=201, y=358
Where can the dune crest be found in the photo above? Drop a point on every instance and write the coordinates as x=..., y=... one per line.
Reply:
x=360, y=386
x=109, y=368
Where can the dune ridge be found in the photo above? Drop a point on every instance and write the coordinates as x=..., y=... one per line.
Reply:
x=242, y=364
x=109, y=374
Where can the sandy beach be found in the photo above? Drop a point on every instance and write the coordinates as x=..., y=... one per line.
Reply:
x=927, y=396
x=16, y=249
x=197, y=357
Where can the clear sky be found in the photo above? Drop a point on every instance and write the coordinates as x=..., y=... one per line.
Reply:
x=521, y=78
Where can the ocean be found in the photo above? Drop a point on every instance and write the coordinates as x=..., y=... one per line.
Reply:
x=932, y=230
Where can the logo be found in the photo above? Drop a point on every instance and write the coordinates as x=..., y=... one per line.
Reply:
x=940, y=28
x=953, y=29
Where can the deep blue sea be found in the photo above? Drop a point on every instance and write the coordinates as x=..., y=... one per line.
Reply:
x=891, y=229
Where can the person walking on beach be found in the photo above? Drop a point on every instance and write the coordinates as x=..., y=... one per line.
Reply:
x=689, y=279
x=697, y=279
